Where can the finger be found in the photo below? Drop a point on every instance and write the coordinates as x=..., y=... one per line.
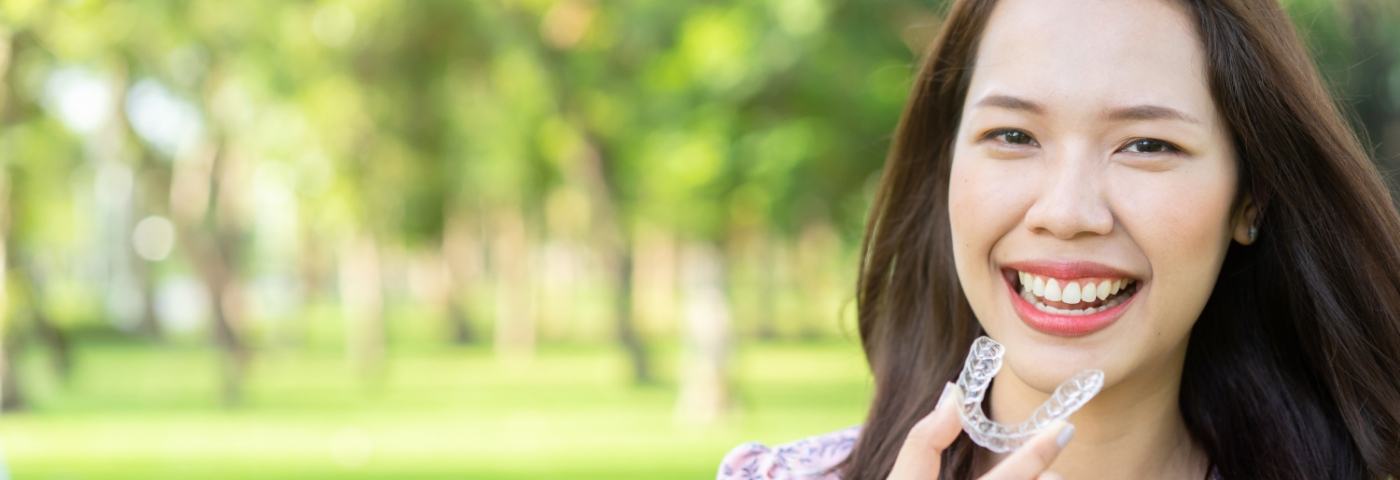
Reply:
x=1050, y=476
x=1033, y=458
x=921, y=454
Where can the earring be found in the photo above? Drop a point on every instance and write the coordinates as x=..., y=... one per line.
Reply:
x=1253, y=233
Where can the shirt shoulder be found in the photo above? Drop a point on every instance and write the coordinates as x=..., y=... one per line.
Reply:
x=807, y=458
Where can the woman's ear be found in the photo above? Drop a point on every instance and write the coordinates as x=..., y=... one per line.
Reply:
x=1246, y=222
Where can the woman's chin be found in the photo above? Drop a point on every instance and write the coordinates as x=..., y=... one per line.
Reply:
x=1044, y=367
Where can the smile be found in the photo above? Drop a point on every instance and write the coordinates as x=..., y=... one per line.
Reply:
x=1069, y=299
x=1074, y=297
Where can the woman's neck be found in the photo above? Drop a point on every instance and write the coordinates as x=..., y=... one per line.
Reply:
x=1133, y=429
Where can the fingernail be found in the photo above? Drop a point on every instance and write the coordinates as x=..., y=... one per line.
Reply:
x=943, y=397
x=1065, y=435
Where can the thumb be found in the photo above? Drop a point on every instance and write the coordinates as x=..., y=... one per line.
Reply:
x=921, y=455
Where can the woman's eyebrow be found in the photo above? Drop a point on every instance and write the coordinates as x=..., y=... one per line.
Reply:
x=1011, y=103
x=1150, y=112
x=1131, y=113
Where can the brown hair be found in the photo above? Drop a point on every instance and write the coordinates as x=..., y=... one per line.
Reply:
x=1293, y=367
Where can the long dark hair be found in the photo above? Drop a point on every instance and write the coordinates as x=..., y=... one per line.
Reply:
x=1292, y=369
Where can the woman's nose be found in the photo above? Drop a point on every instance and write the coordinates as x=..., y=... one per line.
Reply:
x=1070, y=201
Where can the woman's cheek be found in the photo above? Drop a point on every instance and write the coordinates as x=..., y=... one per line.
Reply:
x=966, y=187
x=961, y=218
x=1178, y=215
x=986, y=202
x=991, y=192
x=972, y=217
x=1181, y=224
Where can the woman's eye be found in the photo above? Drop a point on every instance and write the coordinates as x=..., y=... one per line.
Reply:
x=1148, y=145
x=1012, y=137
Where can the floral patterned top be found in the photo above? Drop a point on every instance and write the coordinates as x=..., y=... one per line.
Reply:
x=808, y=459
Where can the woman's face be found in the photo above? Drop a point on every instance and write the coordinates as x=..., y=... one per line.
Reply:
x=1091, y=165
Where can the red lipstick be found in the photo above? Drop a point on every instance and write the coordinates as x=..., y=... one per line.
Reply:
x=1060, y=325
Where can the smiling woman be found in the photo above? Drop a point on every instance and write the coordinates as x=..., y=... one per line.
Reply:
x=1159, y=189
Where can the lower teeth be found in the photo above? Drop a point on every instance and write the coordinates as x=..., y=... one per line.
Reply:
x=1031, y=298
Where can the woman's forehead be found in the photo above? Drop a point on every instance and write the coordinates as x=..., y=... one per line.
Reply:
x=1091, y=56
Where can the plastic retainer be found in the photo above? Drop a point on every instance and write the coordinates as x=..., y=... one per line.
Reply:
x=983, y=362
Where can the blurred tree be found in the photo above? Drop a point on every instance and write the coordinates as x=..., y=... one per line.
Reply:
x=10, y=397
x=584, y=155
x=37, y=155
x=413, y=64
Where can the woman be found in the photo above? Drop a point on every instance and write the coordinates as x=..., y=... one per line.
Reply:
x=1160, y=189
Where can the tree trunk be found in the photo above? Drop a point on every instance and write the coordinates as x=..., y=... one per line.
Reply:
x=768, y=288
x=626, y=327
x=10, y=397
x=462, y=257
x=752, y=269
x=362, y=301
x=226, y=299
x=704, y=391
x=54, y=339
x=149, y=325
x=459, y=323
x=654, y=285
x=591, y=163
x=432, y=272
x=515, y=316
x=817, y=245
x=203, y=191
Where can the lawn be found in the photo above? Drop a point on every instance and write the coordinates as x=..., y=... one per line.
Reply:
x=137, y=411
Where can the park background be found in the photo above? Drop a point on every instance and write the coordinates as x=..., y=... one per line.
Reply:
x=460, y=239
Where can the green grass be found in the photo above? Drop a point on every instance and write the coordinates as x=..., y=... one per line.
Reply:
x=133, y=411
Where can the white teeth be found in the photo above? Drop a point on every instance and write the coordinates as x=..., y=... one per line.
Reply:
x=1071, y=312
x=1071, y=293
x=1035, y=288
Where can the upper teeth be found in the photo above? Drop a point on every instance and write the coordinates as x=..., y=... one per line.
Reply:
x=1072, y=291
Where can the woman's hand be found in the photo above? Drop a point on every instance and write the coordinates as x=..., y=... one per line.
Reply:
x=922, y=454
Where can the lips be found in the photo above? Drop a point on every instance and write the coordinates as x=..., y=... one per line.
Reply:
x=1068, y=299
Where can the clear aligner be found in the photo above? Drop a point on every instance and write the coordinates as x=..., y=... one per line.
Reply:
x=983, y=362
